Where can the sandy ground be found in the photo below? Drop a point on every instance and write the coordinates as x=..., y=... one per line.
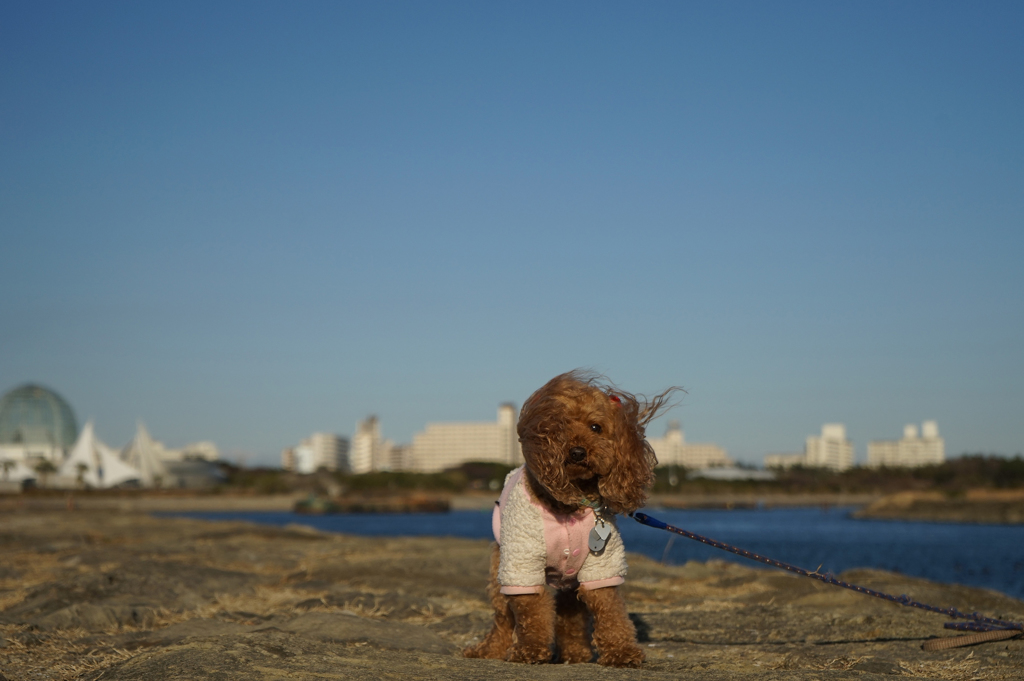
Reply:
x=117, y=595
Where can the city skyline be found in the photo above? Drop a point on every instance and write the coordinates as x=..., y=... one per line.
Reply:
x=436, y=446
x=247, y=225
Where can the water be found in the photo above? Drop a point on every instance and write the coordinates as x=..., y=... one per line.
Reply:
x=989, y=556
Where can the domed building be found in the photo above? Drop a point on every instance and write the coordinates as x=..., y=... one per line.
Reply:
x=35, y=423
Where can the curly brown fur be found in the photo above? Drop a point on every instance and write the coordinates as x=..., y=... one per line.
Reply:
x=535, y=627
x=571, y=620
x=614, y=633
x=619, y=465
x=582, y=440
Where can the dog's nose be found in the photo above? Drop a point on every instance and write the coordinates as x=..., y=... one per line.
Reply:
x=577, y=454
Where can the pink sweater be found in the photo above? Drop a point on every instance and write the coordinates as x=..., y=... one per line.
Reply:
x=555, y=553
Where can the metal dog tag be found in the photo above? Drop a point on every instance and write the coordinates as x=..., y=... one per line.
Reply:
x=599, y=537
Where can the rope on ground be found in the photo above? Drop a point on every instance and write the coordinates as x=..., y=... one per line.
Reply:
x=969, y=640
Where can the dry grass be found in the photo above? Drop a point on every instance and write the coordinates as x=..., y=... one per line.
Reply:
x=33, y=569
x=965, y=669
x=61, y=656
x=69, y=653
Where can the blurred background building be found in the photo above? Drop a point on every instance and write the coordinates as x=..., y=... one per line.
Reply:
x=673, y=450
x=370, y=452
x=830, y=450
x=911, y=451
x=784, y=461
x=320, y=450
x=35, y=424
x=40, y=445
x=447, y=445
x=191, y=466
x=94, y=464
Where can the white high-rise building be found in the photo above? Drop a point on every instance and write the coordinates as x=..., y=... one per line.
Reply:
x=330, y=451
x=447, y=445
x=399, y=457
x=829, y=450
x=319, y=450
x=369, y=451
x=673, y=450
x=911, y=451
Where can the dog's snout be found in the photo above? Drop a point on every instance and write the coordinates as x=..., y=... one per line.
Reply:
x=577, y=454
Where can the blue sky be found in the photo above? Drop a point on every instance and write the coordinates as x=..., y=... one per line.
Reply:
x=248, y=221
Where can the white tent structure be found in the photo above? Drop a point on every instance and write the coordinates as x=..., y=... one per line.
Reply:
x=96, y=464
x=143, y=454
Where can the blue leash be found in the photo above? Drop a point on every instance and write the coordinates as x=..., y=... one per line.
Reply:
x=977, y=621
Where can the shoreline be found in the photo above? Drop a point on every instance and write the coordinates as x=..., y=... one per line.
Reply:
x=728, y=501
x=150, y=502
x=1000, y=507
x=227, y=502
x=974, y=506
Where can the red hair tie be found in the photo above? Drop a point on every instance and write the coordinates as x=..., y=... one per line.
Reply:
x=615, y=398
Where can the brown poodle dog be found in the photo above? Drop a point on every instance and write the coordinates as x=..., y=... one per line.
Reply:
x=586, y=460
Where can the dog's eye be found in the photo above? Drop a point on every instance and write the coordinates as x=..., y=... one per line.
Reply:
x=596, y=427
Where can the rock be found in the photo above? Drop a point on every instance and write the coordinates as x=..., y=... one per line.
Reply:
x=133, y=586
x=96, y=617
x=341, y=628
x=129, y=597
x=878, y=666
x=195, y=628
x=30, y=639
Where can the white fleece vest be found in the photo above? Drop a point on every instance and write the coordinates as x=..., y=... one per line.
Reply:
x=539, y=547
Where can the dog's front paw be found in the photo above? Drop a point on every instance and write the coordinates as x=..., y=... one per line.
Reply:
x=529, y=654
x=485, y=650
x=574, y=654
x=629, y=655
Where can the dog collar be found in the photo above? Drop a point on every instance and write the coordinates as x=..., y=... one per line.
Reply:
x=600, y=510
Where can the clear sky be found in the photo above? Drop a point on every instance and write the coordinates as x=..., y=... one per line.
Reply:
x=246, y=221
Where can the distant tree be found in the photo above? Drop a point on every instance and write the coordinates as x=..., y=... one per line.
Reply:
x=45, y=468
x=81, y=468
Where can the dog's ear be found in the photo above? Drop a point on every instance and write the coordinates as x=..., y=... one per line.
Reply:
x=625, y=488
x=542, y=434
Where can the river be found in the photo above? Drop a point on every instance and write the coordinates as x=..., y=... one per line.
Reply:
x=989, y=556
